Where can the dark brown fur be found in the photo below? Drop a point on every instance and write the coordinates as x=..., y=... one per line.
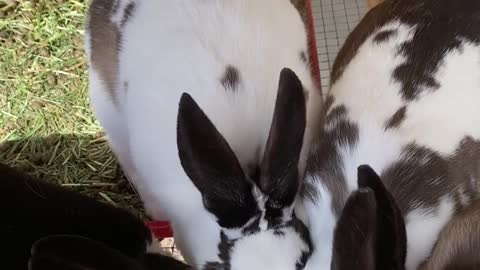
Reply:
x=105, y=43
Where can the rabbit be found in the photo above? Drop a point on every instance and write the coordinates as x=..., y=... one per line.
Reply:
x=458, y=245
x=210, y=107
x=67, y=252
x=370, y=233
x=404, y=100
x=33, y=209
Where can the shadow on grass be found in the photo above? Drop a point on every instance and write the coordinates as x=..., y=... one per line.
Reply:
x=83, y=163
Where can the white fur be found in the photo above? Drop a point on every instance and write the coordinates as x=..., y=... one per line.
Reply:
x=265, y=246
x=171, y=47
x=372, y=96
x=321, y=225
x=423, y=227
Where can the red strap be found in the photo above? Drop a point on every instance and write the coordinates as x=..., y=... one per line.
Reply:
x=160, y=229
x=312, y=44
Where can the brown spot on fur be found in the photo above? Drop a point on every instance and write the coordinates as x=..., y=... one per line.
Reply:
x=231, y=78
x=422, y=176
x=458, y=245
x=396, y=119
x=325, y=161
x=105, y=43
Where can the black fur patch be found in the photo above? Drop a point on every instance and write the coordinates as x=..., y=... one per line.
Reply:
x=127, y=13
x=230, y=78
x=385, y=35
x=303, y=57
x=224, y=250
x=325, y=160
x=252, y=228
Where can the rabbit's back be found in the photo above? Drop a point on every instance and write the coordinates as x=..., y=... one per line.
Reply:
x=404, y=99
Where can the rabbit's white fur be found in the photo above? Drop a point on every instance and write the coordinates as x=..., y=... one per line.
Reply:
x=171, y=47
x=437, y=119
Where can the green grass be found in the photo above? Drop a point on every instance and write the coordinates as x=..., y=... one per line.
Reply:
x=46, y=125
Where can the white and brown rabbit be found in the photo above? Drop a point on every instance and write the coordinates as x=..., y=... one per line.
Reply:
x=228, y=180
x=404, y=99
x=370, y=233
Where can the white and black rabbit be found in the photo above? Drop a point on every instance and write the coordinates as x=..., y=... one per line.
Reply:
x=404, y=99
x=370, y=233
x=32, y=209
x=239, y=70
x=73, y=252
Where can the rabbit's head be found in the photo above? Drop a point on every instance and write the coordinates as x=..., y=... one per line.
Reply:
x=259, y=228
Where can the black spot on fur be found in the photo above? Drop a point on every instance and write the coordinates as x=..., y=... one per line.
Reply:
x=325, y=160
x=304, y=233
x=127, y=13
x=303, y=57
x=279, y=233
x=230, y=78
x=224, y=250
x=383, y=36
x=252, y=228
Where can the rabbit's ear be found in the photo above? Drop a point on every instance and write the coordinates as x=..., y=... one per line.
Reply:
x=79, y=253
x=279, y=168
x=354, y=244
x=212, y=166
x=392, y=237
x=370, y=233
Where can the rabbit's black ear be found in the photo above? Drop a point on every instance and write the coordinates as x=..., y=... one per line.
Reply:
x=354, y=244
x=279, y=178
x=392, y=237
x=75, y=252
x=212, y=166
